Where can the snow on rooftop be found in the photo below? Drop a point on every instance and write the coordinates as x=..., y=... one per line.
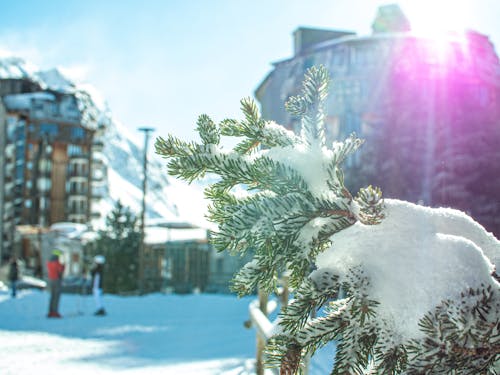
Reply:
x=70, y=230
x=416, y=258
x=15, y=68
x=23, y=101
x=159, y=235
x=53, y=79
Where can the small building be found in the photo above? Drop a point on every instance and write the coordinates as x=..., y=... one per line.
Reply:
x=33, y=245
x=186, y=254
x=223, y=267
x=189, y=261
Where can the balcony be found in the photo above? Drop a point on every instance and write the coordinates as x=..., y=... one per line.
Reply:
x=77, y=198
x=44, y=184
x=77, y=211
x=98, y=146
x=79, y=158
x=8, y=210
x=10, y=150
x=98, y=159
x=9, y=169
x=9, y=188
x=77, y=218
x=78, y=173
x=78, y=194
x=97, y=175
x=78, y=190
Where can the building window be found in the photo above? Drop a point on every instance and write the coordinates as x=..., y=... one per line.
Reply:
x=339, y=56
x=77, y=133
x=19, y=174
x=74, y=150
x=219, y=265
x=49, y=129
x=308, y=63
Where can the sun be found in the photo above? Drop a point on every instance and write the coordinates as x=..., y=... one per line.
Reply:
x=434, y=18
x=440, y=22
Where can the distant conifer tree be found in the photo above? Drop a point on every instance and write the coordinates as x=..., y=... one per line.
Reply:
x=119, y=243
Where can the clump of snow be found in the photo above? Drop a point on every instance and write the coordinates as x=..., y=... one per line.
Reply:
x=310, y=232
x=273, y=130
x=416, y=258
x=310, y=162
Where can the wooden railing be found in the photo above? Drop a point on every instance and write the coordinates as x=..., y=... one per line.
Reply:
x=259, y=311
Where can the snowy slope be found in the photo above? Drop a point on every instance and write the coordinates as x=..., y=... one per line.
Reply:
x=167, y=198
x=152, y=334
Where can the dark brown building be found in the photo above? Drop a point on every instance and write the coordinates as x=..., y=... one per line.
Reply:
x=49, y=146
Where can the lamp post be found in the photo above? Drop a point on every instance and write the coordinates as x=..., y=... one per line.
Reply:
x=142, y=246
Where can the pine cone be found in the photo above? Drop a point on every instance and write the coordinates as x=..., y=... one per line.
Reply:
x=291, y=361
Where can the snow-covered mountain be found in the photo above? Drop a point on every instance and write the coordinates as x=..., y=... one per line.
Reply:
x=167, y=199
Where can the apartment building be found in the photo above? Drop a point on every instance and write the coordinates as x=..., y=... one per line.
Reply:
x=428, y=107
x=50, y=146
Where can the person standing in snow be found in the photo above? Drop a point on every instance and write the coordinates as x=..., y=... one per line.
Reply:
x=13, y=276
x=97, y=277
x=55, y=271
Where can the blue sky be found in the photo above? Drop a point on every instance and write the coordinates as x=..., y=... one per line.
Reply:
x=163, y=63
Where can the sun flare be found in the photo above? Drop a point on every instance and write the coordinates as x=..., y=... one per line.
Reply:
x=436, y=18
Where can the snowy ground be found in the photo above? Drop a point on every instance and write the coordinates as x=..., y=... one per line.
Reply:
x=153, y=334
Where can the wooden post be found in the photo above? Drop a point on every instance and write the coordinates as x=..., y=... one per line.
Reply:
x=285, y=292
x=143, y=209
x=261, y=341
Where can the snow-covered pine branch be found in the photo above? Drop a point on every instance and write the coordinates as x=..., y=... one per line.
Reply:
x=295, y=186
x=404, y=289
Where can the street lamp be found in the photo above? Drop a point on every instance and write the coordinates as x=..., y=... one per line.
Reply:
x=142, y=247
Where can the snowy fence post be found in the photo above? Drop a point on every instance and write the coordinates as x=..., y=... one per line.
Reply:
x=259, y=310
x=261, y=340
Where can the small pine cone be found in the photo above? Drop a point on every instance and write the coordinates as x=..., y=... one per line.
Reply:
x=291, y=361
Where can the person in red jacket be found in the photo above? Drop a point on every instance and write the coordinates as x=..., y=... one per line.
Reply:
x=55, y=272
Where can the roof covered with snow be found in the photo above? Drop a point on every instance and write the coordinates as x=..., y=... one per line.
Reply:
x=158, y=235
x=14, y=68
x=20, y=102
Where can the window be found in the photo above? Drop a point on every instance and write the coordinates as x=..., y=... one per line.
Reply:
x=339, y=56
x=19, y=173
x=308, y=63
x=77, y=133
x=74, y=150
x=219, y=265
x=49, y=129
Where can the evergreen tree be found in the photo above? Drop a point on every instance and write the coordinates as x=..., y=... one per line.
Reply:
x=365, y=253
x=119, y=242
